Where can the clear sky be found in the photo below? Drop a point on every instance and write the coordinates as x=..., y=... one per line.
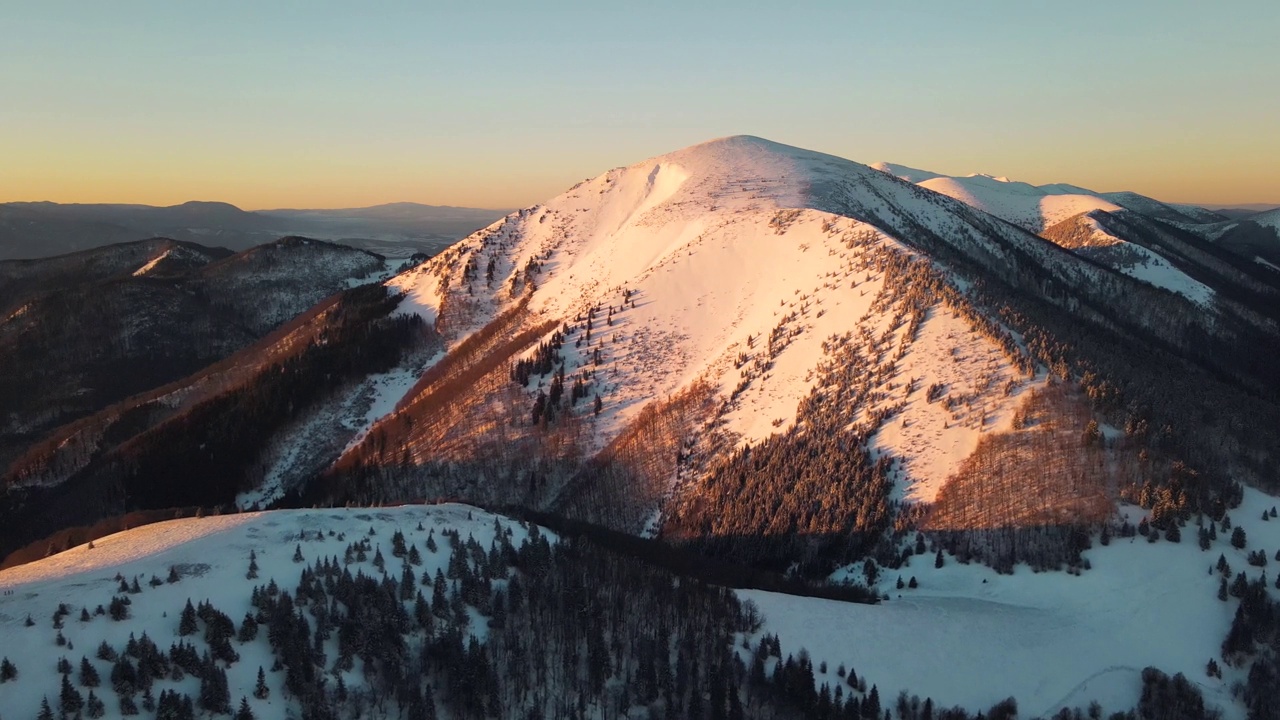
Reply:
x=285, y=104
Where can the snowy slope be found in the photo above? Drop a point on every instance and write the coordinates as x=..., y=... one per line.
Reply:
x=211, y=555
x=1020, y=203
x=690, y=262
x=702, y=254
x=1270, y=218
x=1066, y=214
x=910, y=174
x=1086, y=236
x=971, y=637
x=1036, y=207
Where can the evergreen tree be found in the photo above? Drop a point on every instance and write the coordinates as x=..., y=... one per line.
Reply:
x=938, y=560
x=1238, y=538
x=187, y=623
x=70, y=701
x=8, y=671
x=105, y=652
x=88, y=674
x=248, y=629
x=46, y=713
x=260, y=690
x=245, y=712
x=94, y=707
x=871, y=706
x=215, y=695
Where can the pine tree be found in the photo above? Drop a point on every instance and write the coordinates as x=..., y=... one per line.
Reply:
x=871, y=706
x=70, y=701
x=46, y=713
x=187, y=623
x=88, y=674
x=1238, y=538
x=106, y=652
x=248, y=629
x=215, y=695
x=8, y=671
x=297, y=554
x=938, y=560
x=245, y=712
x=1240, y=585
x=1222, y=590
x=260, y=690
x=94, y=707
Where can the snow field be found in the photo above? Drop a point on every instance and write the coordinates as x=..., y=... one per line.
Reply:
x=212, y=556
x=971, y=637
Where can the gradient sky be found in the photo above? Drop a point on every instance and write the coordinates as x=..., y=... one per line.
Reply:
x=311, y=104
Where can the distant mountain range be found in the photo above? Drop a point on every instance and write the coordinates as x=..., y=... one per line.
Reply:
x=44, y=229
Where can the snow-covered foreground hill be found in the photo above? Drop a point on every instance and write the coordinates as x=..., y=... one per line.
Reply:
x=204, y=560
x=966, y=636
x=969, y=636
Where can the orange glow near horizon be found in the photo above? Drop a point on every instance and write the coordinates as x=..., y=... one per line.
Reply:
x=506, y=105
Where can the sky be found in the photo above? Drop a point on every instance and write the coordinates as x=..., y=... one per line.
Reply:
x=494, y=104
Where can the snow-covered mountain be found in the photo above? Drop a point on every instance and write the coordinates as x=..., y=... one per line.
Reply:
x=774, y=358
x=1126, y=231
x=1037, y=207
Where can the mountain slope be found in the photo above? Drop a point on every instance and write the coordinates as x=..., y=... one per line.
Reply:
x=1143, y=238
x=82, y=331
x=716, y=296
